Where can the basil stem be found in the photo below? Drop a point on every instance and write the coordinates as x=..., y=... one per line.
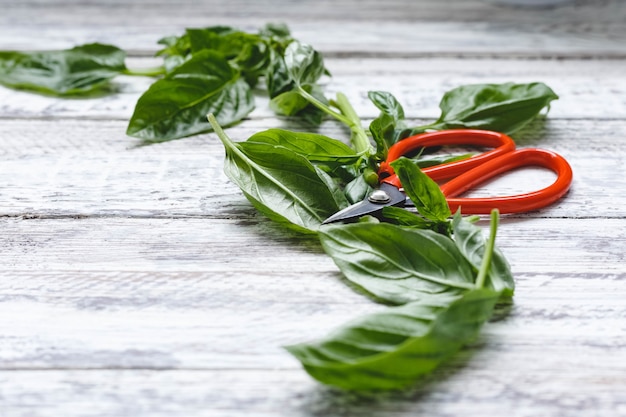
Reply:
x=323, y=107
x=359, y=137
x=484, y=267
x=145, y=72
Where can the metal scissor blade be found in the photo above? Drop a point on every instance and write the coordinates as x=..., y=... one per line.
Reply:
x=370, y=206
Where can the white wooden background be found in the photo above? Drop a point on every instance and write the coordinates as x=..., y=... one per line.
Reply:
x=135, y=281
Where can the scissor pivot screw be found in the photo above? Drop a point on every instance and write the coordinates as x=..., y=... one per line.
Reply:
x=379, y=197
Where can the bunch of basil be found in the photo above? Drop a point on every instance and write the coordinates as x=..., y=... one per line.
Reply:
x=439, y=273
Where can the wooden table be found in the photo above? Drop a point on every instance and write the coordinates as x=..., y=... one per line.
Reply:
x=136, y=281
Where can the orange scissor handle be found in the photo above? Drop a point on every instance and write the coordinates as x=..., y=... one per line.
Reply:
x=501, y=142
x=502, y=164
x=471, y=172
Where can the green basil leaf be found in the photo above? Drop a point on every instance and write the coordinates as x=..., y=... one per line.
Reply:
x=311, y=115
x=432, y=161
x=176, y=52
x=500, y=107
x=393, y=348
x=171, y=62
x=403, y=217
x=253, y=60
x=277, y=31
x=176, y=106
x=395, y=264
x=174, y=45
x=293, y=66
x=383, y=132
x=281, y=184
x=423, y=191
x=277, y=77
x=389, y=126
x=284, y=185
x=357, y=189
x=304, y=64
x=387, y=104
x=288, y=103
x=291, y=103
x=224, y=39
x=471, y=242
x=248, y=51
x=315, y=148
x=79, y=70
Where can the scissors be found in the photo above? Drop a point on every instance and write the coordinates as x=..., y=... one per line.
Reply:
x=466, y=174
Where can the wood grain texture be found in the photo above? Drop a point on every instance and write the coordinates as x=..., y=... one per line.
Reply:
x=164, y=296
x=136, y=281
x=587, y=88
x=242, y=244
x=403, y=28
x=89, y=168
x=552, y=391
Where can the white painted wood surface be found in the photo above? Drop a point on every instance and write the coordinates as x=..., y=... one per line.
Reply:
x=136, y=281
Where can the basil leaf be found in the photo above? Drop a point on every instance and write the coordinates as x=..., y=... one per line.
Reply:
x=423, y=191
x=284, y=185
x=315, y=148
x=253, y=60
x=79, y=70
x=284, y=89
x=276, y=31
x=389, y=126
x=357, y=189
x=281, y=184
x=429, y=162
x=311, y=115
x=471, y=242
x=500, y=107
x=387, y=104
x=176, y=106
x=223, y=39
x=395, y=264
x=392, y=348
x=288, y=103
x=291, y=103
x=304, y=64
x=406, y=218
x=247, y=51
x=177, y=50
x=383, y=132
x=277, y=77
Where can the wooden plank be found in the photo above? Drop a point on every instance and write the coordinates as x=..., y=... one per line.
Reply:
x=587, y=88
x=197, y=244
x=467, y=28
x=228, y=320
x=140, y=12
x=552, y=389
x=434, y=39
x=89, y=168
x=148, y=295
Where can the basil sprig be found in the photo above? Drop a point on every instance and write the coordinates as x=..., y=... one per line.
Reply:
x=80, y=70
x=445, y=301
x=439, y=273
x=446, y=284
x=503, y=108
